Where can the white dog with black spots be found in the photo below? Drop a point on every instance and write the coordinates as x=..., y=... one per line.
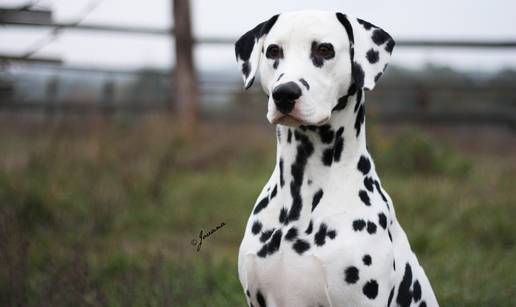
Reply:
x=323, y=232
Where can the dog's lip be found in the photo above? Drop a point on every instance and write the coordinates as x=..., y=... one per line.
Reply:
x=298, y=120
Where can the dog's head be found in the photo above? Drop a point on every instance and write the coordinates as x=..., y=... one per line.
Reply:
x=309, y=59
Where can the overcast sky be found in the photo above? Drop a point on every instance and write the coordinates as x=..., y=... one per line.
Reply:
x=403, y=19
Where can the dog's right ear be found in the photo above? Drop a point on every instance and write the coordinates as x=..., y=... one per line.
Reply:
x=248, y=49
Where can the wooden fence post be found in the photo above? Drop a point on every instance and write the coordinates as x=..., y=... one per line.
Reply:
x=186, y=94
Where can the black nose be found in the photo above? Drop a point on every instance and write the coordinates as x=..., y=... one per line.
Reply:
x=285, y=96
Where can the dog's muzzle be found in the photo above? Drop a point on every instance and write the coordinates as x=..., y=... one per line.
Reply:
x=285, y=96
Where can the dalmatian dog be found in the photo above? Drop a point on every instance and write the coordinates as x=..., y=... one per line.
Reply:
x=323, y=232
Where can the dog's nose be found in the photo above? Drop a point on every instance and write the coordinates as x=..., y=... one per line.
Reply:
x=285, y=96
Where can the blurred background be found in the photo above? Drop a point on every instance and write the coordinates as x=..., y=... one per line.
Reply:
x=124, y=131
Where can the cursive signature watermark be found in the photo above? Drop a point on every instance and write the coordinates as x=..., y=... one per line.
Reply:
x=203, y=236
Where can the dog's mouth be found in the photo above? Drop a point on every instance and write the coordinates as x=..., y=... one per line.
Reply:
x=291, y=120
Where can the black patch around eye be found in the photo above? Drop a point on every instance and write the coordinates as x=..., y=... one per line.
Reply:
x=318, y=56
x=274, y=52
x=326, y=51
x=316, y=60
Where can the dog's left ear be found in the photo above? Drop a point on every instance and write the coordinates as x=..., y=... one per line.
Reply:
x=248, y=49
x=370, y=50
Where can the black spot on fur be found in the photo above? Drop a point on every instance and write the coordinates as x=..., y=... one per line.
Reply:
x=358, y=225
x=326, y=134
x=316, y=199
x=332, y=234
x=351, y=274
x=327, y=157
x=377, y=77
x=382, y=220
x=367, y=259
x=283, y=215
x=423, y=304
x=266, y=235
x=416, y=291
x=358, y=74
x=379, y=189
x=364, y=165
x=338, y=148
x=301, y=246
x=343, y=101
x=369, y=183
x=364, y=197
x=360, y=119
x=275, y=64
x=394, y=265
x=320, y=236
x=289, y=136
x=248, y=293
x=272, y=246
x=339, y=132
x=370, y=289
x=261, y=205
x=349, y=30
x=404, y=297
x=380, y=36
x=305, y=84
x=371, y=227
x=365, y=24
x=390, y=297
x=282, y=182
x=390, y=45
x=257, y=227
x=260, y=299
x=291, y=234
x=279, y=78
x=372, y=56
x=304, y=151
x=274, y=191
x=309, y=228
x=359, y=100
x=246, y=68
x=390, y=236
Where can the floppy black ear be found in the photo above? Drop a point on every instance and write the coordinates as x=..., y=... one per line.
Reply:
x=370, y=50
x=248, y=49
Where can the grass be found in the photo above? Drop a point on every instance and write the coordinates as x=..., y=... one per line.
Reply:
x=104, y=215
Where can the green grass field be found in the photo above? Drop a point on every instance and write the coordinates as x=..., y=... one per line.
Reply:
x=104, y=215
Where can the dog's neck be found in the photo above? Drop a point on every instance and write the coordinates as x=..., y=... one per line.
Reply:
x=308, y=154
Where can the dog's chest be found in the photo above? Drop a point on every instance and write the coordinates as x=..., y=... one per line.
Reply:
x=293, y=233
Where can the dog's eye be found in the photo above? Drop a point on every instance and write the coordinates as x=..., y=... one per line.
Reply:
x=273, y=52
x=325, y=50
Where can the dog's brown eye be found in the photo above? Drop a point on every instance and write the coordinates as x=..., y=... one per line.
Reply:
x=273, y=52
x=325, y=50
